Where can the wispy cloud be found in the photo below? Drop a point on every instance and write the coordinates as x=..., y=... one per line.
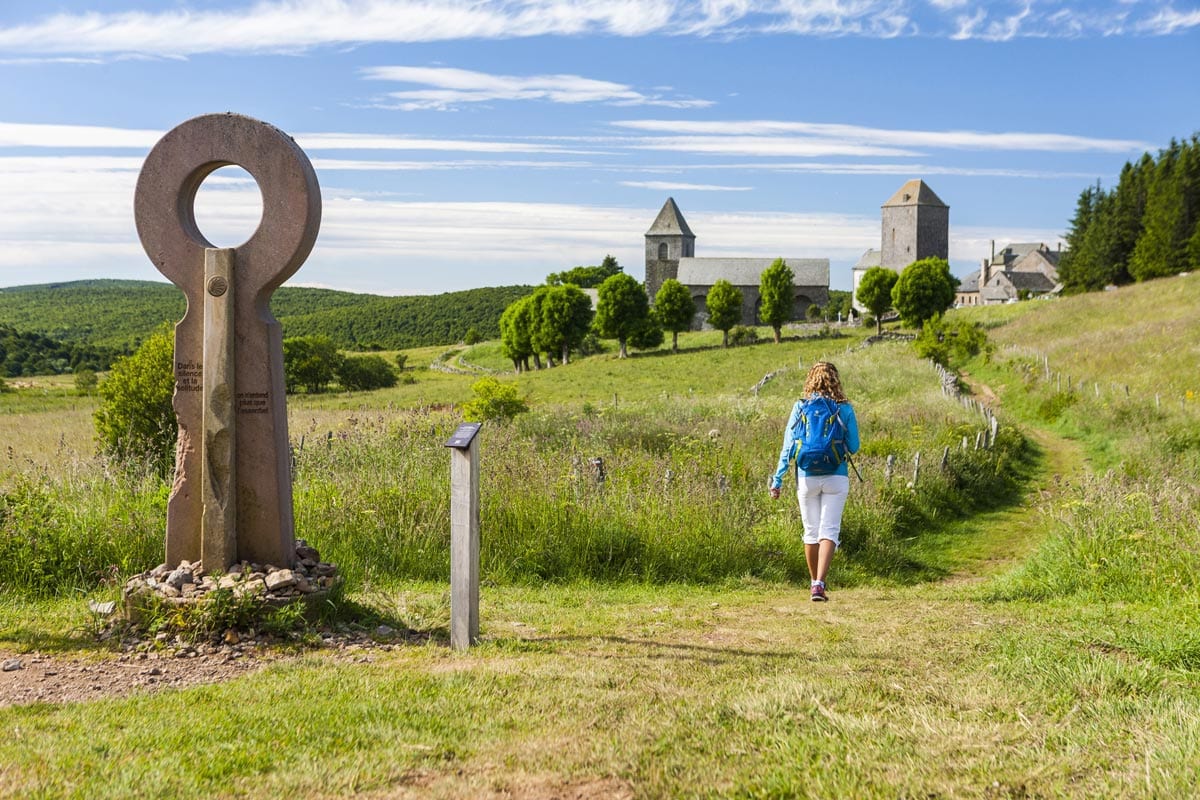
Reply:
x=367, y=141
x=774, y=137
x=671, y=186
x=766, y=146
x=299, y=25
x=1169, y=21
x=13, y=134
x=884, y=168
x=450, y=87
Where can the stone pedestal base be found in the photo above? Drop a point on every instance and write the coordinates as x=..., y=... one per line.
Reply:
x=311, y=582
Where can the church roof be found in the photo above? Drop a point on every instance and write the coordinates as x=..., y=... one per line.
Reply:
x=748, y=271
x=969, y=283
x=670, y=222
x=871, y=258
x=915, y=193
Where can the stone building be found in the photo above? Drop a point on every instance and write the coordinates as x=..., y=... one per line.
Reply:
x=915, y=225
x=1021, y=269
x=671, y=253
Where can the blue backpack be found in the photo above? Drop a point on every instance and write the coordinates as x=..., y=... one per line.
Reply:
x=820, y=437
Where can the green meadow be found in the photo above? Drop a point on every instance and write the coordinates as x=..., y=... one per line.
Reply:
x=1008, y=622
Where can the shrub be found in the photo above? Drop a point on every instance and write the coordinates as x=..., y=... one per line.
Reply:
x=473, y=336
x=743, y=334
x=648, y=336
x=493, y=401
x=309, y=361
x=86, y=380
x=950, y=343
x=136, y=421
x=364, y=373
x=401, y=361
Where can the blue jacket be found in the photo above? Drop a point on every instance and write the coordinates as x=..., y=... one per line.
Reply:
x=845, y=414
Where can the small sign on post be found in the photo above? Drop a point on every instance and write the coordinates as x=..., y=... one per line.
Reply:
x=464, y=535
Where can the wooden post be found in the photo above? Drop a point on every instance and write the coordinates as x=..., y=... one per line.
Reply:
x=887, y=470
x=916, y=467
x=945, y=456
x=218, y=470
x=464, y=536
x=995, y=428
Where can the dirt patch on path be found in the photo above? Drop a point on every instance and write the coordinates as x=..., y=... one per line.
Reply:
x=38, y=677
x=45, y=678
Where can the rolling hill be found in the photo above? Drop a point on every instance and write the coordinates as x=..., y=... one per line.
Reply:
x=118, y=314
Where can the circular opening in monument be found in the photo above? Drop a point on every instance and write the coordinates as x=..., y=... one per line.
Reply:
x=228, y=207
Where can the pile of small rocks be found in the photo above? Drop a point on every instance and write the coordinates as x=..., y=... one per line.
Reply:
x=311, y=579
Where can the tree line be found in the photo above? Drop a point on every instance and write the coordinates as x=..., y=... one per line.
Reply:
x=557, y=318
x=102, y=319
x=1147, y=226
x=23, y=353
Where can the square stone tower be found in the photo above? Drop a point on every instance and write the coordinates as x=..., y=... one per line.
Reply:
x=668, y=240
x=916, y=225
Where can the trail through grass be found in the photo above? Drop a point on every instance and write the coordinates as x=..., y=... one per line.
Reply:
x=744, y=689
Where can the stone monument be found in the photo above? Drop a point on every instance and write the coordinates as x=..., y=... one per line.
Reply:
x=231, y=500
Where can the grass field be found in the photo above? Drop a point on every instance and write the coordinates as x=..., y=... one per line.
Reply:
x=1035, y=643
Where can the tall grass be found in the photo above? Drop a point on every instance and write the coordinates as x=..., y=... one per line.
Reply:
x=1132, y=531
x=687, y=449
x=683, y=494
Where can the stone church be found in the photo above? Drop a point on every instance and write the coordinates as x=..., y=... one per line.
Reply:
x=915, y=225
x=671, y=253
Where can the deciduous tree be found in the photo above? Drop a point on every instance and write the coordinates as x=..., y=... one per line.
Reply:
x=724, y=305
x=674, y=309
x=516, y=324
x=621, y=309
x=311, y=362
x=777, y=289
x=875, y=292
x=924, y=290
x=566, y=316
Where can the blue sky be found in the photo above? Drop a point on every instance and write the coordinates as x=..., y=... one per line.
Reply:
x=463, y=144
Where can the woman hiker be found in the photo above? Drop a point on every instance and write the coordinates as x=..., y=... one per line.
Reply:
x=820, y=489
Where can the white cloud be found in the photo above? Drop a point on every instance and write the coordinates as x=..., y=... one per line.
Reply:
x=765, y=146
x=845, y=139
x=299, y=25
x=908, y=169
x=1169, y=21
x=370, y=141
x=368, y=165
x=882, y=19
x=669, y=186
x=452, y=87
x=14, y=134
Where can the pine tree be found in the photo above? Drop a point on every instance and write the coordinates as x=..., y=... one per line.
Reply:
x=1072, y=269
x=1172, y=213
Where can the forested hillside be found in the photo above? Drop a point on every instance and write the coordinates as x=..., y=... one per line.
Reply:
x=25, y=353
x=118, y=314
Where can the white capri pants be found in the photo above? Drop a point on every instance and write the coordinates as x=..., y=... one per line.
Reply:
x=822, y=499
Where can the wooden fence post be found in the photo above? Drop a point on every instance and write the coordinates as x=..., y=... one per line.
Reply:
x=464, y=536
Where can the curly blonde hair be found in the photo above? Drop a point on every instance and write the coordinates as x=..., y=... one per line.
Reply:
x=823, y=380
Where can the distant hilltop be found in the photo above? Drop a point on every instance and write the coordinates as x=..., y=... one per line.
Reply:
x=121, y=313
